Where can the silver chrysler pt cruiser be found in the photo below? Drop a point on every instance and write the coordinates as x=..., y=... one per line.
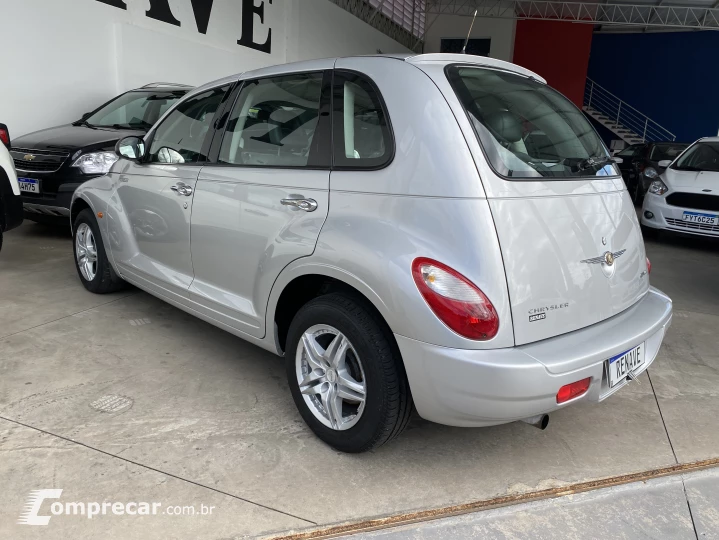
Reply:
x=443, y=232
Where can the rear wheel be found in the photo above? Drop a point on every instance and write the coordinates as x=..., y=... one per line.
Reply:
x=345, y=373
x=91, y=261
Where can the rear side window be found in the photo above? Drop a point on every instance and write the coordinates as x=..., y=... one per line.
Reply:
x=181, y=135
x=274, y=122
x=362, y=136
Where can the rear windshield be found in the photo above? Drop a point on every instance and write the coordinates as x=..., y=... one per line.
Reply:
x=528, y=130
x=703, y=156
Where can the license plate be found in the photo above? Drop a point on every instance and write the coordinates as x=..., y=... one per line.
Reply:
x=697, y=217
x=29, y=185
x=623, y=364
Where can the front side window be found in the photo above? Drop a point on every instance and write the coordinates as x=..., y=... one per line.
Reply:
x=273, y=123
x=528, y=130
x=703, y=156
x=134, y=110
x=362, y=138
x=181, y=135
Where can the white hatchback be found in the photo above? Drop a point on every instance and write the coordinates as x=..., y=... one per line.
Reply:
x=685, y=198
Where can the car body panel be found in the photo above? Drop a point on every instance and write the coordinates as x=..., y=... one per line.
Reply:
x=238, y=212
x=546, y=243
x=152, y=224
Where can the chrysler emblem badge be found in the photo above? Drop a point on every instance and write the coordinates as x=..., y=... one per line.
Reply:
x=608, y=258
x=28, y=157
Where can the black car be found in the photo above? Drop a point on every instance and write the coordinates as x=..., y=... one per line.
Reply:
x=53, y=162
x=640, y=164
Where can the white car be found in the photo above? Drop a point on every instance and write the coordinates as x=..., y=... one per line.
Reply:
x=11, y=212
x=685, y=198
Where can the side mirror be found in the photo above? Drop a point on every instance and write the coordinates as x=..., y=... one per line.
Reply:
x=5, y=136
x=617, y=160
x=664, y=163
x=132, y=148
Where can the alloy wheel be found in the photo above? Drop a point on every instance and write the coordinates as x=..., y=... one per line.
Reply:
x=330, y=377
x=86, y=251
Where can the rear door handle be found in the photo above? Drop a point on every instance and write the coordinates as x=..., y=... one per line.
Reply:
x=182, y=189
x=308, y=205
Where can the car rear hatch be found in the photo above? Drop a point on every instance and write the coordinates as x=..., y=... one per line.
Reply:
x=569, y=235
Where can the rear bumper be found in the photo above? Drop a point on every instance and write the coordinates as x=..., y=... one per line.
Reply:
x=668, y=217
x=460, y=387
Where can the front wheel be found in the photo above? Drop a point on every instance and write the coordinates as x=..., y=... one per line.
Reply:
x=91, y=261
x=345, y=373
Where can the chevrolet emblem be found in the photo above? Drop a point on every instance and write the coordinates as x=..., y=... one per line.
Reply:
x=28, y=157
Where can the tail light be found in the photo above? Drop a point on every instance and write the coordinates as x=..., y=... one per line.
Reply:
x=455, y=300
x=5, y=136
x=575, y=389
x=649, y=266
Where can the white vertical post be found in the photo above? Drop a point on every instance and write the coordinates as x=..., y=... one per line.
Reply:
x=619, y=110
x=644, y=138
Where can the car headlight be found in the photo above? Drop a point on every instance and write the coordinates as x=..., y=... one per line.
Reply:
x=658, y=187
x=96, y=163
x=650, y=172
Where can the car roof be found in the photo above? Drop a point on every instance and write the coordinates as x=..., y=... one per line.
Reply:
x=328, y=63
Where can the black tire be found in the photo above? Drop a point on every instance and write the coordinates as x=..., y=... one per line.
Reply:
x=388, y=402
x=105, y=280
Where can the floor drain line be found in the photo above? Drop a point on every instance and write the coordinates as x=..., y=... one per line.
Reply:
x=497, y=502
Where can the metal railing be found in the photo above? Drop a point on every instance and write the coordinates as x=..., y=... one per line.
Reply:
x=620, y=114
x=605, y=13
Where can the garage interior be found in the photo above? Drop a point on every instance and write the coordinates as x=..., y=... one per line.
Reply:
x=124, y=397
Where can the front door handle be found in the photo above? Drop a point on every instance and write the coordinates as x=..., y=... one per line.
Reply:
x=308, y=205
x=182, y=189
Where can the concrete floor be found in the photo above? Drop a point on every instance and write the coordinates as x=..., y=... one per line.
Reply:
x=677, y=507
x=201, y=417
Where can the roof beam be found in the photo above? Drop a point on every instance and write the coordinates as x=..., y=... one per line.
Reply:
x=610, y=13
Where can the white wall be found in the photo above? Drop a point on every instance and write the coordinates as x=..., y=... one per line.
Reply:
x=70, y=56
x=500, y=31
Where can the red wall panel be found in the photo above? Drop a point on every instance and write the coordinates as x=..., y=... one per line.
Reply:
x=558, y=51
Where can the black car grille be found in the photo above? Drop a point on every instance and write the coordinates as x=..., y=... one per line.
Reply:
x=696, y=201
x=44, y=166
x=689, y=225
x=41, y=161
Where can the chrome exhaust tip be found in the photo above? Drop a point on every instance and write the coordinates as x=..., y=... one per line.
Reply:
x=541, y=421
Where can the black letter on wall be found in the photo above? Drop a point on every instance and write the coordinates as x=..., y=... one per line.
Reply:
x=114, y=3
x=160, y=10
x=202, y=9
x=248, y=16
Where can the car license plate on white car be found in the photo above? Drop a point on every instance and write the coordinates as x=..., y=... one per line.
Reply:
x=623, y=364
x=29, y=185
x=704, y=219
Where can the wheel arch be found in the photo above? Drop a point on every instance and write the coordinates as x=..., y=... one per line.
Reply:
x=297, y=286
x=78, y=205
